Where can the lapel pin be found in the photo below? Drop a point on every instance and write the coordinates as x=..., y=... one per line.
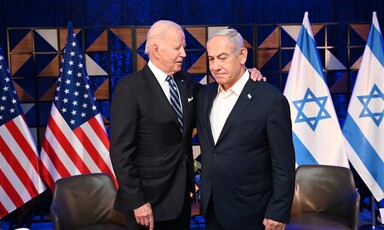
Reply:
x=249, y=96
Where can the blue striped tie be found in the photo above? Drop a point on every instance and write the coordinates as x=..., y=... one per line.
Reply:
x=175, y=100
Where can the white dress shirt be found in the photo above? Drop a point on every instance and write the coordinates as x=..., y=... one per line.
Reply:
x=224, y=103
x=160, y=77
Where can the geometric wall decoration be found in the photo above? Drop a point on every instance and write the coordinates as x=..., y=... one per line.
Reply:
x=110, y=53
x=50, y=36
x=332, y=63
x=362, y=30
x=272, y=41
x=125, y=34
x=25, y=44
x=293, y=31
x=100, y=44
x=93, y=68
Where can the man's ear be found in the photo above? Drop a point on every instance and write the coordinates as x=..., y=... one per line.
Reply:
x=155, y=49
x=243, y=55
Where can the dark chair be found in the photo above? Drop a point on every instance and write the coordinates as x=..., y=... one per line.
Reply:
x=325, y=198
x=85, y=202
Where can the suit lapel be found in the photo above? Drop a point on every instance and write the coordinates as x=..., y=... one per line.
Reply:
x=245, y=97
x=212, y=93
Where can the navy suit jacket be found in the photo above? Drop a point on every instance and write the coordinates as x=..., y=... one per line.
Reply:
x=250, y=172
x=151, y=157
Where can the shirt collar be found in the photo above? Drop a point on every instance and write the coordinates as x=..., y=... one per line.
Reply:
x=160, y=75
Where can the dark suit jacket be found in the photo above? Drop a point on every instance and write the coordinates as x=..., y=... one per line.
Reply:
x=250, y=171
x=151, y=157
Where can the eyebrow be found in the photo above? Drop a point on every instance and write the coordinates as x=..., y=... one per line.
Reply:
x=219, y=55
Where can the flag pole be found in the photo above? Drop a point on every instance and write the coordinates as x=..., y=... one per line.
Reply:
x=373, y=211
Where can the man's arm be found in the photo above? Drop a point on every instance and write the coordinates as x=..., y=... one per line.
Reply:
x=279, y=131
x=124, y=124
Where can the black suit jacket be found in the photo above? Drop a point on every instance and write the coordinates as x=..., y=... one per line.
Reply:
x=151, y=157
x=250, y=171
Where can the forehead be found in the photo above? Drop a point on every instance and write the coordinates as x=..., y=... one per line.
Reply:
x=174, y=36
x=218, y=45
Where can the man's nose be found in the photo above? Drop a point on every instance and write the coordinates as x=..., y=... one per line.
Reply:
x=183, y=53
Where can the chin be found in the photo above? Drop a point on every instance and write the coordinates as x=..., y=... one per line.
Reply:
x=175, y=70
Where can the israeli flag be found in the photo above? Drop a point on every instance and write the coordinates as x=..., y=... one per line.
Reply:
x=364, y=128
x=316, y=130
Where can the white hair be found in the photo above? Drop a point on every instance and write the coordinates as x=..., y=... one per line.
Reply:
x=233, y=36
x=157, y=32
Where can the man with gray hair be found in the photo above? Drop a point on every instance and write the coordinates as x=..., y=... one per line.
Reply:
x=245, y=134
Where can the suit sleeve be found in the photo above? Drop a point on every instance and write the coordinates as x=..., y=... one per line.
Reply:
x=279, y=130
x=124, y=124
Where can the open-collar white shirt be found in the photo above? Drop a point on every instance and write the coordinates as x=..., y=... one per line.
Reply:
x=224, y=103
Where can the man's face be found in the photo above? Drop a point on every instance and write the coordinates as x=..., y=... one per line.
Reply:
x=171, y=51
x=225, y=64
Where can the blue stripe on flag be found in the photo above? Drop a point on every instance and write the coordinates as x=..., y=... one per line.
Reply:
x=308, y=48
x=375, y=43
x=364, y=150
x=304, y=156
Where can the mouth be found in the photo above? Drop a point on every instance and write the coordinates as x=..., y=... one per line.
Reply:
x=219, y=75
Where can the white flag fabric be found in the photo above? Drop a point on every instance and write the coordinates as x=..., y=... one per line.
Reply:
x=316, y=130
x=363, y=127
x=20, y=179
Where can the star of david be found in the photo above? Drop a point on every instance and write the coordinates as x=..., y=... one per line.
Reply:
x=310, y=97
x=377, y=115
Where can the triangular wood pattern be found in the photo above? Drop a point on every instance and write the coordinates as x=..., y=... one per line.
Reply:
x=199, y=33
x=100, y=44
x=52, y=69
x=200, y=66
x=22, y=94
x=125, y=34
x=362, y=30
x=25, y=44
x=17, y=61
x=102, y=93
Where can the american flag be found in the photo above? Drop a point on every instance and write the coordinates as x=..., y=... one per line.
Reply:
x=75, y=140
x=19, y=163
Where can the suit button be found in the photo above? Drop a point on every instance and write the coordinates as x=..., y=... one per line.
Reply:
x=215, y=155
x=209, y=178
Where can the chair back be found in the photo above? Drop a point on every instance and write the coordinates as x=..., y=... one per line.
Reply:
x=84, y=201
x=328, y=190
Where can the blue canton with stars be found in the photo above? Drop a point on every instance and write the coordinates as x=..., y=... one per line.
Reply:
x=302, y=117
x=377, y=115
x=9, y=102
x=73, y=97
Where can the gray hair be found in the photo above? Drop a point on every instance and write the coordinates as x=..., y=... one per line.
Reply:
x=157, y=32
x=234, y=37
